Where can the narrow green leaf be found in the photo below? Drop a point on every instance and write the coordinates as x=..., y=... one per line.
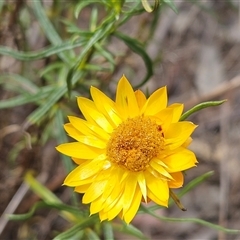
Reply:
x=73, y=73
x=90, y=234
x=49, y=30
x=71, y=233
x=195, y=182
x=93, y=19
x=199, y=107
x=53, y=66
x=193, y=220
x=73, y=28
x=133, y=11
x=108, y=230
x=79, y=235
x=92, y=67
x=138, y=48
x=103, y=31
x=107, y=3
x=83, y=4
x=47, y=26
x=25, y=216
x=62, y=138
x=40, y=190
x=27, y=98
x=191, y=185
x=106, y=54
x=38, y=114
x=20, y=81
x=171, y=4
x=129, y=229
x=39, y=205
x=46, y=194
x=49, y=51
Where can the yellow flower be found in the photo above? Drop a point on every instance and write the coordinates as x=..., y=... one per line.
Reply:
x=127, y=151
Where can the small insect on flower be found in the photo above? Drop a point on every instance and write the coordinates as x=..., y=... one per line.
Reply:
x=129, y=150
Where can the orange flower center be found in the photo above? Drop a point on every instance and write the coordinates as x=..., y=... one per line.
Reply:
x=134, y=143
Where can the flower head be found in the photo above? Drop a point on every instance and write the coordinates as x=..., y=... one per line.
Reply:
x=127, y=151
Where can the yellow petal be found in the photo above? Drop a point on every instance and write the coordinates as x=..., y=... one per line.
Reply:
x=88, y=140
x=84, y=171
x=156, y=102
x=79, y=150
x=106, y=106
x=177, y=111
x=94, y=191
x=72, y=179
x=164, y=118
x=72, y=131
x=141, y=98
x=112, y=183
x=79, y=161
x=129, y=191
x=126, y=100
x=105, y=172
x=187, y=143
x=160, y=169
x=102, y=175
x=103, y=215
x=92, y=115
x=87, y=128
x=158, y=187
x=82, y=188
x=109, y=205
x=161, y=163
x=134, y=206
x=97, y=205
x=115, y=208
x=157, y=200
x=123, y=176
x=177, y=134
x=142, y=185
x=92, y=141
x=177, y=181
x=116, y=192
x=180, y=160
